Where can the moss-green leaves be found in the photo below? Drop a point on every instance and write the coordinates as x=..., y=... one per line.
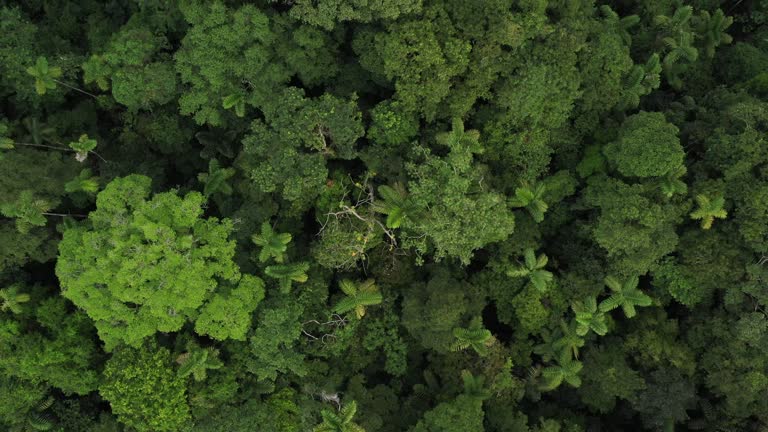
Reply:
x=709, y=209
x=358, y=297
x=531, y=197
x=533, y=269
x=273, y=244
x=624, y=295
x=45, y=76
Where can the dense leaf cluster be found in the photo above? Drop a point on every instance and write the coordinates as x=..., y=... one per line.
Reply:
x=383, y=215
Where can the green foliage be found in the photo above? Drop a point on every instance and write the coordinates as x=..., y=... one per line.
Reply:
x=709, y=209
x=589, y=317
x=215, y=180
x=327, y=13
x=196, y=361
x=45, y=76
x=671, y=184
x=341, y=421
x=286, y=274
x=84, y=182
x=648, y=146
x=273, y=244
x=475, y=337
x=82, y=147
x=451, y=188
x=27, y=210
x=144, y=391
x=210, y=267
x=566, y=370
x=358, y=296
x=12, y=299
x=533, y=269
x=531, y=198
x=146, y=265
x=395, y=205
x=625, y=295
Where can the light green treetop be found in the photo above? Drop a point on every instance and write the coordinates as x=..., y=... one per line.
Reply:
x=141, y=265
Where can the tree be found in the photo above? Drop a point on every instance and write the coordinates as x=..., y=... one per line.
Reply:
x=273, y=244
x=708, y=210
x=341, y=422
x=566, y=370
x=12, y=299
x=288, y=273
x=358, y=296
x=648, y=146
x=475, y=337
x=45, y=76
x=144, y=264
x=625, y=295
x=449, y=192
x=588, y=317
x=530, y=196
x=144, y=391
x=533, y=269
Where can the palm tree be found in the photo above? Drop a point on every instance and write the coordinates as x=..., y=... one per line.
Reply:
x=530, y=196
x=273, y=244
x=45, y=76
x=475, y=336
x=339, y=422
x=533, y=269
x=566, y=369
x=709, y=210
x=288, y=273
x=588, y=317
x=358, y=297
x=625, y=295
x=196, y=361
x=12, y=299
x=569, y=341
x=395, y=204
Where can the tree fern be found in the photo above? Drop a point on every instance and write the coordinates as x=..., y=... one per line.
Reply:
x=708, y=210
x=340, y=421
x=625, y=295
x=588, y=317
x=358, y=296
x=475, y=337
x=530, y=196
x=286, y=274
x=569, y=340
x=196, y=361
x=395, y=204
x=566, y=370
x=273, y=244
x=533, y=269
